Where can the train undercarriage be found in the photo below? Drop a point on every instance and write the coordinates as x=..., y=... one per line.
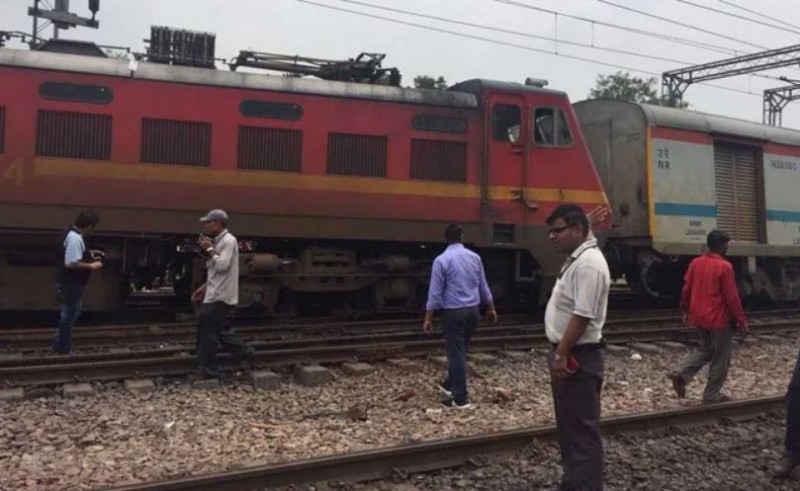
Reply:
x=653, y=275
x=278, y=276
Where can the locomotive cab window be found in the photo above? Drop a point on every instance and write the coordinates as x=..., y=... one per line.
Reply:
x=62, y=91
x=551, y=128
x=506, y=121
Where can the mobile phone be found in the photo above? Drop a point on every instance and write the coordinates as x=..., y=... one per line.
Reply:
x=572, y=364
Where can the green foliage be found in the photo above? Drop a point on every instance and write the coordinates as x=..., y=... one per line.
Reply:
x=426, y=82
x=622, y=86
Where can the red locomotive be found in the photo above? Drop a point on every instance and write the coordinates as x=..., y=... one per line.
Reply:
x=342, y=188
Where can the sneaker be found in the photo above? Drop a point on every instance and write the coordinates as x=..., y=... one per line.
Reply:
x=451, y=403
x=444, y=388
x=678, y=384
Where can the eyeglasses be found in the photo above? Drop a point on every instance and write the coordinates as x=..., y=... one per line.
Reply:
x=558, y=230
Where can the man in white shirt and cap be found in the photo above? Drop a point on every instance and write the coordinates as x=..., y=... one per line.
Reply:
x=221, y=250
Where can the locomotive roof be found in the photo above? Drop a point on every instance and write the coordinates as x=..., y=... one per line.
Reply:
x=224, y=78
x=479, y=85
x=685, y=119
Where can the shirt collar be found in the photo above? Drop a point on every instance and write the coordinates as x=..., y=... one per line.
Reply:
x=455, y=246
x=220, y=236
x=588, y=243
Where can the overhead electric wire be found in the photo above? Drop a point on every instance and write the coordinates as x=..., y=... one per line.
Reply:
x=754, y=12
x=554, y=12
x=679, y=23
x=642, y=32
x=524, y=34
x=737, y=16
x=502, y=43
x=517, y=33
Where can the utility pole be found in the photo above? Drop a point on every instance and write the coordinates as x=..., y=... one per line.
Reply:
x=61, y=18
x=675, y=82
x=778, y=98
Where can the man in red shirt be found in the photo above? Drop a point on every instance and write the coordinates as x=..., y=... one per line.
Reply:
x=710, y=302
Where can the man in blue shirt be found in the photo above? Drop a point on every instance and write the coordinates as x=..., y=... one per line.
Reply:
x=75, y=264
x=458, y=287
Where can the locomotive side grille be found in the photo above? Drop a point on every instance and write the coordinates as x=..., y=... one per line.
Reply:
x=270, y=149
x=736, y=178
x=2, y=128
x=437, y=160
x=73, y=135
x=357, y=155
x=166, y=141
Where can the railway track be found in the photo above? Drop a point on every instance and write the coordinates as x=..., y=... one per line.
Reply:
x=99, y=337
x=441, y=454
x=53, y=370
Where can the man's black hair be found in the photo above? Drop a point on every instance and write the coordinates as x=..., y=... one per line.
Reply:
x=572, y=215
x=453, y=233
x=87, y=218
x=716, y=240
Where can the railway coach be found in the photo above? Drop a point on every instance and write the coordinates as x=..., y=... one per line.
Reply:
x=674, y=175
x=341, y=189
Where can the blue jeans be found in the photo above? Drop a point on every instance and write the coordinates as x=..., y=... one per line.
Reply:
x=458, y=326
x=69, y=296
x=793, y=414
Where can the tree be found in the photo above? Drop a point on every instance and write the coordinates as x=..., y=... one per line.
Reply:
x=622, y=86
x=426, y=82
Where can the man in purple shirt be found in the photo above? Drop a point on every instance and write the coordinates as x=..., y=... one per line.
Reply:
x=457, y=288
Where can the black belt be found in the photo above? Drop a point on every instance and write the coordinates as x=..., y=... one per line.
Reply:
x=578, y=348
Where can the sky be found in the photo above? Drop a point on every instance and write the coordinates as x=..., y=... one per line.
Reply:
x=298, y=27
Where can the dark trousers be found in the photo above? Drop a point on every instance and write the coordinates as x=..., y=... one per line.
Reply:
x=458, y=326
x=577, y=406
x=715, y=348
x=793, y=414
x=69, y=298
x=212, y=334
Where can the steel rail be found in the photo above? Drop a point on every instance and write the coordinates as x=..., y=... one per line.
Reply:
x=441, y=454
x=59, y=370
x=183, y=332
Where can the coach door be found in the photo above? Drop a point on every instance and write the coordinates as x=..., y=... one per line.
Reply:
x=737, y=182
x=508, y=142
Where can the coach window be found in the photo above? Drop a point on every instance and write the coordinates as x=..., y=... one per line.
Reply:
x=271, y=110
x=551, y=128
x=506, y=122
x=62, y=91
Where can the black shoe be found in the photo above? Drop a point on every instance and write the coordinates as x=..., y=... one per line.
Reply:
x=245, y=362
x=678, y=384
x=204, y=374
x=784, y=468
x=449, y=402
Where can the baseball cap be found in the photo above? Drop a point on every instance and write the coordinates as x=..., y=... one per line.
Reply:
x=215, y=214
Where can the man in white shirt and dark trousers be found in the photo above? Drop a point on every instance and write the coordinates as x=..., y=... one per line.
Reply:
x=574, y=321
x=221, y=293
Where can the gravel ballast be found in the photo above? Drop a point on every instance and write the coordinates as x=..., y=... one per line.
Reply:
x=112, y=436
x=724, y=457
